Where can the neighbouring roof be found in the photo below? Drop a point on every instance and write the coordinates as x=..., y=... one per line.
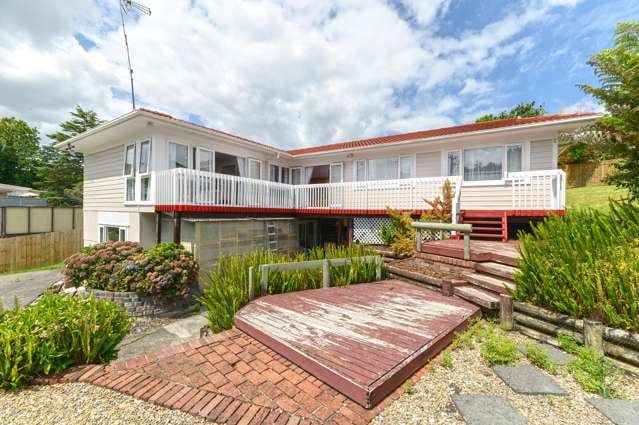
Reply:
x=438, y=132
x=18, y=190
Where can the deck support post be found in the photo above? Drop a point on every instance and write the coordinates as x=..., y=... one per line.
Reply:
x=326, y=274
x=466, y=245
x=158, y=227
x=418, y=240
x=593, y=336
x=251, y=277
x=177, y=227
x=506, y=312
x=447, y=287
x=264, y=280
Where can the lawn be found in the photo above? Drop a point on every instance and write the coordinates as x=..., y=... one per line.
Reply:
x=592, y=196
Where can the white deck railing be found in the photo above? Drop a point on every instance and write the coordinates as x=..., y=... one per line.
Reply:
x=538, y=190
x=198, y=188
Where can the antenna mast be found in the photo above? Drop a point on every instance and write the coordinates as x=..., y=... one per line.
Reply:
x=125, y=7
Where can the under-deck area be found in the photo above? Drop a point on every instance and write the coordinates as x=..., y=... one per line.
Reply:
x=363, y=340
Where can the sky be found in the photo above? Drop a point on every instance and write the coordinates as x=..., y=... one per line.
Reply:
x=303, y=72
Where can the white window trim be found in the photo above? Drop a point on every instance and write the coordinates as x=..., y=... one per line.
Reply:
x=461, y=162
x=365, y=161
x=413, y=172
x=131, y=175
x=248, y=171
x=119, y=227
x=505, y=170
x=189, y=154
x=301, y=175
x=341, y=171
x=196, y=160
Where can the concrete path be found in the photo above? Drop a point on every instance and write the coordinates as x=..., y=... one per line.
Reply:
x=26, y=286
x=528, y=379
x=182, y=330
x=620, y=412
x=487, y=410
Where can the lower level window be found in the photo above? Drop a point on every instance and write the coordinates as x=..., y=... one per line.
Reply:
x=112, y=233
x=483, y=164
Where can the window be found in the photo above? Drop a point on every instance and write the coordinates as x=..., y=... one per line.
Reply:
x=145, y=156
x=285, y=174
x=405, y=167
x=483, y=164
x=336, y=173
x=178, y=156
x=129, y=172
x=296, y=176
x=274, y=174
x=360, y=170
x=145, y=188
x=391, y=168
x=206, y=160
x=454, y=162
x=513, y=158
x=112, y=233
x=255, y=169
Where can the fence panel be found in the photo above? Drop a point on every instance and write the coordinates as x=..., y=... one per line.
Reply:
x=588, y=174
x=25, y=252
x=29, y=220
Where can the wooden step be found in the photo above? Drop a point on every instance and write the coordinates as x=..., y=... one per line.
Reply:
x=485, y=235
x=497, y=269
x=478, y=296
x=493, y=284
x=473, y=222
x=482, y=229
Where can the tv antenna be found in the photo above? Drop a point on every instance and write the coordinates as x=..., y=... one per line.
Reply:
x=127, y=6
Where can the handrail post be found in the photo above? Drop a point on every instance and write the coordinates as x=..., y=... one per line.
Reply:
x=326, y=274
x=251, y=291
x=264, y=280
x=466, y=246
x=418, y=240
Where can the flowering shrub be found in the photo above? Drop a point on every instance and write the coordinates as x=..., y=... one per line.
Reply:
x=167, y=269
x=95, y=266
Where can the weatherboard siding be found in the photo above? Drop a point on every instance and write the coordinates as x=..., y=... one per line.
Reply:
x=103, y=181
x=541, y=155
x=428, y=164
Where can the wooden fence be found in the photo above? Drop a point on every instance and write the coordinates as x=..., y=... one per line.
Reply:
x=29, y=220
x=25, y=252
x=588, y=174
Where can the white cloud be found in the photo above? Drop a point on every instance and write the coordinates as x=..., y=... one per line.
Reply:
x=583, y=105
x=289, y=74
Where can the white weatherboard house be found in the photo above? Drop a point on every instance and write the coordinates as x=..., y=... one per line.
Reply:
x=151, y=177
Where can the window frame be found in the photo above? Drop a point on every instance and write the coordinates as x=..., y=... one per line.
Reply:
x=330, y=172
x=123, y=232
x=131, y=176
x=460, y=153
x=301, y=170
x=355, y=169
x=248, y=171
x=521, y=160
x=189, y=154
x=197, y=164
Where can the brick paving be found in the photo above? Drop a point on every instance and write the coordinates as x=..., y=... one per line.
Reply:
x=230, y=378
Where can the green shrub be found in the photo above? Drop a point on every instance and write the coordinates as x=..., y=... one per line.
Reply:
x=166, y=269
x=403, y=231
x=447, y=360
x=387, y=234
x=585, y=265
x=498, y=349
x=96, y=266
x=226, y=287
x=539, y=357
x=56, y=332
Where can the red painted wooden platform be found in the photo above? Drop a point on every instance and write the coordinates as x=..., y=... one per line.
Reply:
x=363, y=340
x=480, y=251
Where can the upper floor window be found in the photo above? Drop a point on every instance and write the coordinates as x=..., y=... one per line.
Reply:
x=254, y=169
x=296, y=175
x=143, y=170
x=360, y=170
x=129, y=172
x=391, y=168
x=205, y=160
x=483, y=163
x=514, y=158
x=274, y=174
x=178, y=155
x=285, y=175
x=454, y=162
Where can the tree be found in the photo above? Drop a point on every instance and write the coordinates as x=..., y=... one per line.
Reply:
x=18, y=152
x=529, y=109
x=617, y=132
x=60, y=172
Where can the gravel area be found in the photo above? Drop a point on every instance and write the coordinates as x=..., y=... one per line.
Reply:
x=429, y=268
x=76, y=404
x=430, y=401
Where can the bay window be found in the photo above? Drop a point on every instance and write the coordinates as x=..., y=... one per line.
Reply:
x=483, y=163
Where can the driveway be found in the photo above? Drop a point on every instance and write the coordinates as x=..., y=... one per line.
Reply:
x=26, y=286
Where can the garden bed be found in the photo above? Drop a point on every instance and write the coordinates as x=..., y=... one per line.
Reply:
x=425, y=271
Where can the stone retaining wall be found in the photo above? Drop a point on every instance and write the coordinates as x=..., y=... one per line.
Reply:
x=141, y=305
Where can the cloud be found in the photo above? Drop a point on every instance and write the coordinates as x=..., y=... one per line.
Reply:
x=583, y=105
x=285, y=73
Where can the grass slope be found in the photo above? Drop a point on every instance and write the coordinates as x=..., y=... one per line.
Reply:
x=595, y=197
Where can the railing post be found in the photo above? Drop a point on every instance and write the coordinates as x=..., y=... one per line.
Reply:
x=466, y=245
x=251, y=291
x=326, y=274
x=418, y=240
x=506, y=311
x=593, y=336
x=264, y=280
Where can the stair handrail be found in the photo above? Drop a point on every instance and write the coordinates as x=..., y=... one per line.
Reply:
x=466, y=229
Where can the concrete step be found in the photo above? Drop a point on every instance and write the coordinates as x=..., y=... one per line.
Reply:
x=493, y=284
x=475, y=295
x=497, y=269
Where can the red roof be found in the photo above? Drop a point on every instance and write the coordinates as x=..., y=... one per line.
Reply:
x=437, y=132
x=416, y=135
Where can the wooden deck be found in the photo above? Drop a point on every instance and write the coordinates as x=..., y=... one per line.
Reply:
x=363, y=340
x=480, y=251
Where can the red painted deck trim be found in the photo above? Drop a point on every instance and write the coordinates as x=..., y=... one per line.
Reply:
x=369, y=381
x=340, y=211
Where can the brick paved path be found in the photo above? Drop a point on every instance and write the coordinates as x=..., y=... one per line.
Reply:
x=230, y=378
